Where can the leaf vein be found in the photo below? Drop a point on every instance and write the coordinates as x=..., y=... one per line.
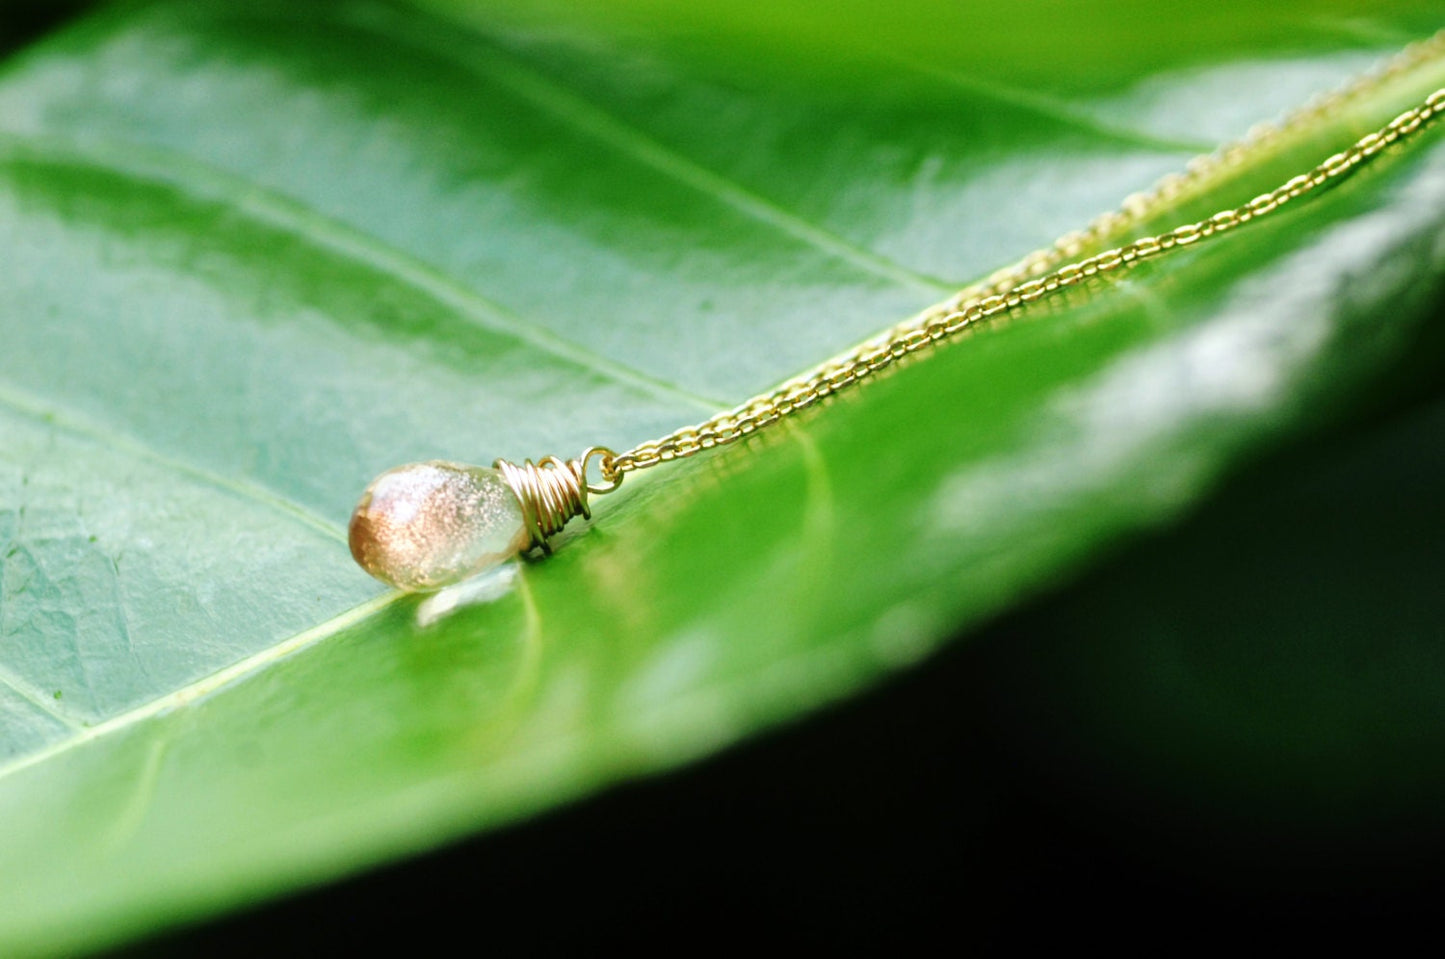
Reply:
x=207, y=685
x=21, y=403
x=37, y=699
x=186, y=172
x=594, y=121
x=1058, y=109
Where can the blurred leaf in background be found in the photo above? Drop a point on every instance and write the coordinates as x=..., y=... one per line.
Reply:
x=255, y=255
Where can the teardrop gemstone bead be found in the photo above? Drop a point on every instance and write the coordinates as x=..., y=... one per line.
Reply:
x=424, y=526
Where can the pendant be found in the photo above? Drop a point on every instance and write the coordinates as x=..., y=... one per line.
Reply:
x=425, y=526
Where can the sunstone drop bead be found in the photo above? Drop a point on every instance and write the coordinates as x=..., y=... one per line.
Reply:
x=427, y=525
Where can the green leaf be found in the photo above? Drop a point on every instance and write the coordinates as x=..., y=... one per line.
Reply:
x=255, y=256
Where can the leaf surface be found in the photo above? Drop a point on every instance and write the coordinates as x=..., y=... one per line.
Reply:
x=253, y=256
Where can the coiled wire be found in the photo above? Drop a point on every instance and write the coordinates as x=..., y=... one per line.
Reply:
x=551, y=492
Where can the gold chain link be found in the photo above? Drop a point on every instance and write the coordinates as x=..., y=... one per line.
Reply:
x=1048, y=271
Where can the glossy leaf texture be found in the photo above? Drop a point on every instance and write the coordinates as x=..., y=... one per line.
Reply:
x=255, y=254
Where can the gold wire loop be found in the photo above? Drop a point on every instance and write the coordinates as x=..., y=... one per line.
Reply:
x=606, y=465
x=553, y=491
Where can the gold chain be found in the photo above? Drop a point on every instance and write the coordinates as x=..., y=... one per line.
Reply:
x=404, y=530
x=1048, y=271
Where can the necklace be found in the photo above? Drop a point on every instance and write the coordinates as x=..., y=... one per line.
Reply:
x=424, y=526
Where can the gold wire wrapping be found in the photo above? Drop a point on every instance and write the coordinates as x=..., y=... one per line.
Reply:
x=553, y=491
